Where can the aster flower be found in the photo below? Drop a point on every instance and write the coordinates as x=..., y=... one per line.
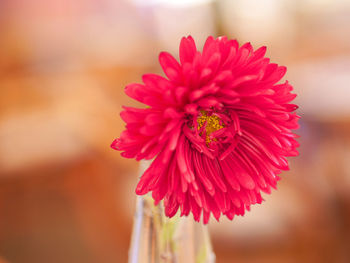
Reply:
x=218, y=128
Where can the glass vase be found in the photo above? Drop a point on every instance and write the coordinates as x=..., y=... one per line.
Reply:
x=159, y=239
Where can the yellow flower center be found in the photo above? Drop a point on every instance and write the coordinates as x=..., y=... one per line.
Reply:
x=213, y=123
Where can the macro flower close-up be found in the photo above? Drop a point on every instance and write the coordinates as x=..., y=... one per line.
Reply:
x=218, y=128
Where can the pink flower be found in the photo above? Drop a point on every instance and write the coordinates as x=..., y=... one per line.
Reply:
x=219, y=128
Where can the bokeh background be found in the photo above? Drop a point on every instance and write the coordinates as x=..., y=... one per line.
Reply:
x=66, y=197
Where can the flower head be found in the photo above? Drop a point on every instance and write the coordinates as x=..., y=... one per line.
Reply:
x=218, y=126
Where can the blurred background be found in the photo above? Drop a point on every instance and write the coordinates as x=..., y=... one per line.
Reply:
x=65, y=196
